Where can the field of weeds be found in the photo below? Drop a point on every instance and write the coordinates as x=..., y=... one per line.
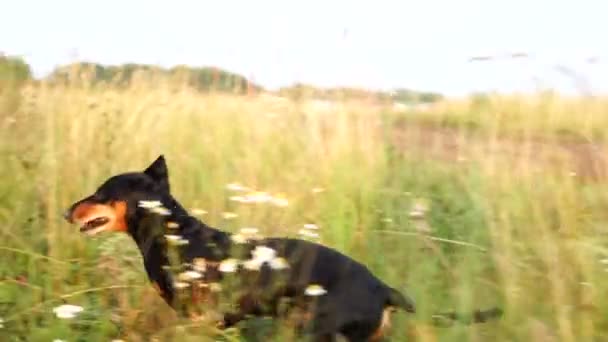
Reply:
x=510, y=196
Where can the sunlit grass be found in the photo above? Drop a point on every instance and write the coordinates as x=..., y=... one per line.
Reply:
x=461, y=205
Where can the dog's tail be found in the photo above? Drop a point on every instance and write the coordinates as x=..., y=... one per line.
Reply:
x=398, y=299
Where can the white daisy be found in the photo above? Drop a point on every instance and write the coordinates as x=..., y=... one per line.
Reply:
x=199, y=265
x=238, y=238
x=314, y=290
x=180, y=285
x=149, y=204
x=198, y=212
x=67, y=311
x=229, y=215
x=279, y=263
x=160, y=211
x=308, y=233
x=189, y=275
x=236, y=187
x=229, y=265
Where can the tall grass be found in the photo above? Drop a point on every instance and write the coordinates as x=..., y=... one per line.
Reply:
x=503, y=228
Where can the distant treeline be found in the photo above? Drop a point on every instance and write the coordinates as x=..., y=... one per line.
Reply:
x=399, y=95
x=204, y=79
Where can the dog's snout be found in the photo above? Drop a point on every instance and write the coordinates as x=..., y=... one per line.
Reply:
x=67, y=215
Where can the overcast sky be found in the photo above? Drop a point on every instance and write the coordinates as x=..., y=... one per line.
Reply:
x=421, y=44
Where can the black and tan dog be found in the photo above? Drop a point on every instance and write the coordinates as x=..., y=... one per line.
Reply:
x=350, y=300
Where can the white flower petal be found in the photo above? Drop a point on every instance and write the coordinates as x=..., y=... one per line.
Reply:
x=311, y=226
x=229, y=265
x=252, y=264
x=263, y=253
x=199, y=265
x=315, y=290
x=149, y=204
x=236, y=187
x=180, y=285
x=279, y=264
x=229, y=215
x=198, y=212
x=67, y=311
x=249, y=231
x=308, y=233
x=238, y=238
x=189, y=275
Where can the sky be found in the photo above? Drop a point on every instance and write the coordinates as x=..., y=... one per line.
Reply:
x=381, y=44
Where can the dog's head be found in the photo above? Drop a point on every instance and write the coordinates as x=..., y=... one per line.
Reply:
x=115, y=203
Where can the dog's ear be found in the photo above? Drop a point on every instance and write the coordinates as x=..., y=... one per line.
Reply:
x=158, y=171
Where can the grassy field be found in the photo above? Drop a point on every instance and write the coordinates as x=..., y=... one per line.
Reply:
x=515, y=190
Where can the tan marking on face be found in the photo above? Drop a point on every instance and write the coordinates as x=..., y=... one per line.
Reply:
x=384, y=326
x=115, y=212
x=157, y=288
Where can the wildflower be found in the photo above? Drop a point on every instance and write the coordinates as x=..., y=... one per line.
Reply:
x=1, y=323
x=252, y=264
x=236, y=187
x=67, y=311
x=387, y=220
x=604, y=261
x=314, y=290
x=215, y=287
x=317, y=190
x=279, y=201
x=311, y=226
x=238, y=238
x=258, y=197
x=308, y=233
x=198, y=212
x=149, y=204
x=249, y=230
x=199, y=264
x=58, y=340
x=161, y=211
x=180, y=285
x=176, y=240
x=279, y=264
x=229, y=215
x=419, y=209
x=189, y=275
x=240, y=199
x=259, y=256
x=229, y=265
x=172, y=225
x=263, y=253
